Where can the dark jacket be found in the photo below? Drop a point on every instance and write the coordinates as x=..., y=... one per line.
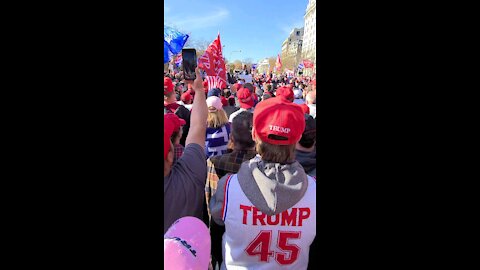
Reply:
x=230, y=109
x=308, y=160
x=230, y=78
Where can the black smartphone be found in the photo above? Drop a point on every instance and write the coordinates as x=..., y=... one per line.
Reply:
x=189, y=62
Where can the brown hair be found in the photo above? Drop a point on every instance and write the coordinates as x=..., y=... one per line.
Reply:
x=217, y=119
x=275, y=153
x=176, y=135
x=168, y=95
x=242, y=130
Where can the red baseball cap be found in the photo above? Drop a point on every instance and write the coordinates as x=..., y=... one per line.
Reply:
x=170, y=124
x=168, y=128
x=305, y=108
x=167, y=85
x=245, y=98
x=277, y=116
x=285, y=92
x=224, y=101
x=177, y=121
x=186, y=97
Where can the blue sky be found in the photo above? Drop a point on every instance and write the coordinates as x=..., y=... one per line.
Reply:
x=256, y=27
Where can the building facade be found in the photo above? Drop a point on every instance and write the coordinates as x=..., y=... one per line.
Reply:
x=292, y=49
x=309, y=47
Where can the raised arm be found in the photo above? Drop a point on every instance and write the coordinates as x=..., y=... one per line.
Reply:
x=198, y=118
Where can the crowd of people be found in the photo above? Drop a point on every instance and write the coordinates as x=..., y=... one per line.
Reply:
x=243, y=160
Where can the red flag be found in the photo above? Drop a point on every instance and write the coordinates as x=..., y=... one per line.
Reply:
x=214, y=82
x=214, y=65
x=278, y=64
x=308, y=64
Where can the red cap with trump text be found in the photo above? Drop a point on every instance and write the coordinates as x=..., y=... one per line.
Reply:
x=278, y=121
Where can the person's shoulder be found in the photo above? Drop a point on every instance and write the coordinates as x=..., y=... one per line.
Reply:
x=221, y=160
x=181, y=107
x=194, y=147
x=216, y=159
x=232, y=115
x=192, y=163
x=192, y=153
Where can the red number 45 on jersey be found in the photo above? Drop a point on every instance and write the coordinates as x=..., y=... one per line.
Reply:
x=260, y=246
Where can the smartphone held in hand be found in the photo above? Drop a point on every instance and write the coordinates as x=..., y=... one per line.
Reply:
x=189, y=62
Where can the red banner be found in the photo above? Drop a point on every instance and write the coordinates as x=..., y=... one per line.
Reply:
x=213, y=63
x=214, y=82
x=278, y=64
x=307, y=64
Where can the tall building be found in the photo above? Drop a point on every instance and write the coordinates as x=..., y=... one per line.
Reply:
x=309, y=45
x=292, y=49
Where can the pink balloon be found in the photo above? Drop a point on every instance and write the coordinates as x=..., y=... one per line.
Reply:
x=186, y=245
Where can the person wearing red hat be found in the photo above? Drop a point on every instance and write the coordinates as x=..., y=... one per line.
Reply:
x=235, y=87
x=186, y=100
x=234, y=90
x=184, y=181
x=176, y=135
x=285, y=92
x=251, y=88
x=224, y=101
x=268, y=208
x=246, y=102
x=171, y=106
x=305, y=108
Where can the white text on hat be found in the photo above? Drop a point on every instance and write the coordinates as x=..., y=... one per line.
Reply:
x=279, y=129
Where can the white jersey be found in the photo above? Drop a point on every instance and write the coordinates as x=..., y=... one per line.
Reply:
x=253, y=240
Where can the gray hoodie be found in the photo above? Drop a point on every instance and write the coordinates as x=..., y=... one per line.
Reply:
x=271, y=187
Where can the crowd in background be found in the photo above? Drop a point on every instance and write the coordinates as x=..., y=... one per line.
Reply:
x=243, y=160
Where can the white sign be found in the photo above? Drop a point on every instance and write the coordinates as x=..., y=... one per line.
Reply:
x=248, y=78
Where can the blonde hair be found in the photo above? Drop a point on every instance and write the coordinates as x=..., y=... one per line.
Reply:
x=217, y=118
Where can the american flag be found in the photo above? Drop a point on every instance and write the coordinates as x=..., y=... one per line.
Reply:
x=179, y=59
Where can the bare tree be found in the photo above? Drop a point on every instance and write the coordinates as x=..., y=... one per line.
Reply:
x=271, y=61
x=289, y=63
x=237, y=64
